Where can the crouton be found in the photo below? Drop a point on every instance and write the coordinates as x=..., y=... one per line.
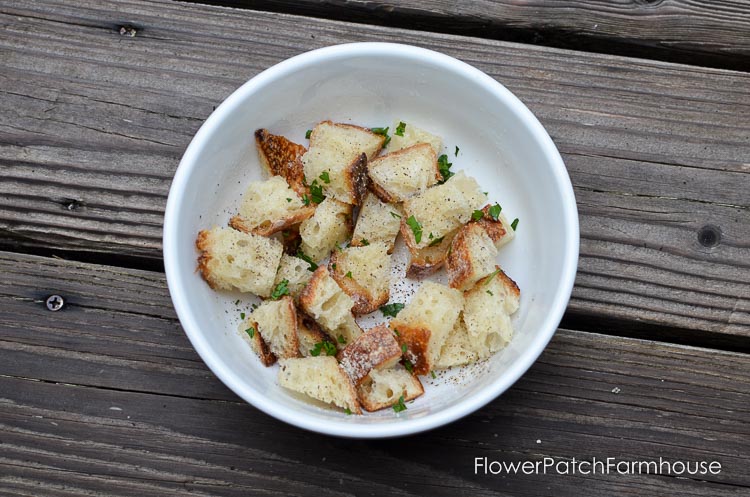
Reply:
x=487, y=310
x=405, y=173
x=459, y=348
x=377, y=222
x=295, y=271
x=320, y=378
x=249, y=331
x=413, y=135
x=498, y=229
x=440, y=210
x=425, y=261
x=425, y=323
x=232, y=260
x=327, y=303
x=276, y=322
x=383, y=388
x=337, y=159
x=309, y=333
x=270, y=206
x=281, y=157
x=363, y=273
x=374, y=349
x=471, y=257
x=329, y=226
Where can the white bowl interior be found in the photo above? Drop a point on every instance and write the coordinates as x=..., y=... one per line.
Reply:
x=501, y=145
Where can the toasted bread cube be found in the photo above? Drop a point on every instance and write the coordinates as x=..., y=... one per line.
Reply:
x=425, y=323
x=377, y=222
x=498, y=229
x=270, y=206
x=329, y=226
x=425, y=261
x=383, y=388
x=374, y=349
x=295, y=271
x=276, y=322
x=405, y=173
x=309, y=333
x=363, y=273
x=459, y=349
x=487, y=310
x=320, y=378
x=281, y=157
x=472, y=257
x=248, y=330
x=327, y=303
x=232, y=260
x=441, y=209
x=412, y=136
x=337, y=159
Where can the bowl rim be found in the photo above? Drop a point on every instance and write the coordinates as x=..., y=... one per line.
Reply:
x=399, y=427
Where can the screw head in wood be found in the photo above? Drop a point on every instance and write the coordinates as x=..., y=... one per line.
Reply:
x=55, y=303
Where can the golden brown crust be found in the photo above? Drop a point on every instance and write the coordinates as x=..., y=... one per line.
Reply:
x=376, y=348
x=382, y=193
x=308, y=326
x=281, y=157
x=510, y=285
x=364, y=301
x=202, y=244
x=291, y=240
x=357, y=179
x=494, y=229
x=261, y=348
x=268, y=229
x=459, y=258
x=417, y=341
x=307, y=295
x=427, y=260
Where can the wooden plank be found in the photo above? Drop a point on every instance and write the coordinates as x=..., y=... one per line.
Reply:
x=91, y=131
x=715, y=34
x=106, y=396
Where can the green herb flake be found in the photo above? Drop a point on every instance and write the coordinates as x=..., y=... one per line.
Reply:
x=416, y=228
x=409, y=366
x=382, y=132
x=254, y=306
x=477, y=215
x=364, y=242
x=288, y=200
x=395, y=332
x=400, y=128
x=242, y=315
x=400, y=406
x=325, y=177
x=342, y=340
x=348, y=411
x=281, y=289
x=251, y=331
x=308, y=260
x=490, y=293
x=324, y=346
x=436, y=241
x=445, y=168
x=308, y=133
x=456, y=152
x=333, y=266
x=432, y=373
x=492, y=275
x=403, y=348
x=316, y=192
x=395, y=216
x=305, y=199
x=391, y=310
x=495, y=211
x=514, y=224
x=348, y=275
x=338, y=247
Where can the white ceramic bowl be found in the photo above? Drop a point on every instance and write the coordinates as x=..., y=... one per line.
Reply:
x=501, y=144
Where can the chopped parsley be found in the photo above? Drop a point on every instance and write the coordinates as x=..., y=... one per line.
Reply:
x=348, y=411
x=281, y=289
x=308, y=133
x=391, y=310
x=342, y=340
x=288, y=199
x=305, y=199
x=251, y=331
x=490, y=293
x=316, y=192
x=432, y=373
x=445, y=168
x=400, y=128
x=403, y=348
x=408, y=365
x=364, y=242
x=395, y=332
x=494, y=211
x=333, y=266
x=325, y=177
x=456, y=153
x=338, y=247
x=477, y=215
x=400, y=406
x=395, y=216
x=242, y=315
x=492, y=275
x=382, y=132
x=348, y=275
x=514, y=224
x=436, y=241
x=324, y=346
x=416, y=228
x=308, y=260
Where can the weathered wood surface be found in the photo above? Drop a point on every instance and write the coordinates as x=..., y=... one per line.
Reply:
x=93, y=124
x=714, y=34
x=107, y=396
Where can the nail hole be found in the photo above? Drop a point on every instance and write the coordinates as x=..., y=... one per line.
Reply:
x=709, y=236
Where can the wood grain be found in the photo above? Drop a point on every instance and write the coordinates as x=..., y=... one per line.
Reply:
x=93, y=124
x=106, y=396
x=713, y=34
